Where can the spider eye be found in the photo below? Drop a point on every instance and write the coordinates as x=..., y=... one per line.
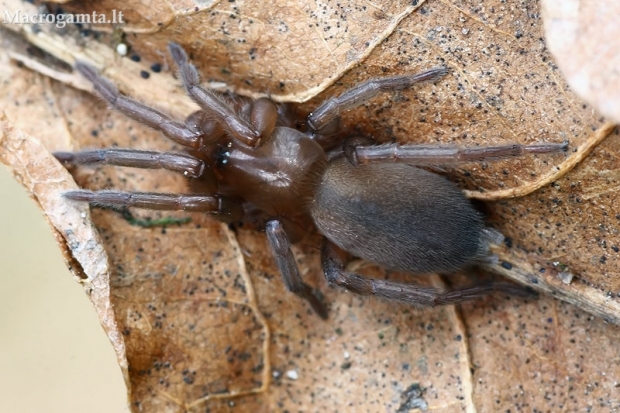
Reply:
x=222, y=154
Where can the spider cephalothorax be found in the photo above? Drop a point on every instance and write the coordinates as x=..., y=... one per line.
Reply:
x=368, y=200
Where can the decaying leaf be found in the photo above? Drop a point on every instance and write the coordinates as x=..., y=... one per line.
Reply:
x=198, y=310
x=583, y=37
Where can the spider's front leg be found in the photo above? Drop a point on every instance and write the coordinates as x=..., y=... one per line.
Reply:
x=334, y=261
x=323, y=120
x=224, y=208
x=250, y=133
x=131, y=108
x=188, y=165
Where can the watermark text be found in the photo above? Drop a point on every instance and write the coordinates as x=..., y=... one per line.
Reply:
x=61, y=20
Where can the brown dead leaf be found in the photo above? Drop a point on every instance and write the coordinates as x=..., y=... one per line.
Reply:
x=201, y=310
x=583, y=37
x=291, y=50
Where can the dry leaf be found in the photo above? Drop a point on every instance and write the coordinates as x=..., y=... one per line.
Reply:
x=583, y=37
x=201, y=310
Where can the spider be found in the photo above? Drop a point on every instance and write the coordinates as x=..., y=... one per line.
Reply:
x=368, y=201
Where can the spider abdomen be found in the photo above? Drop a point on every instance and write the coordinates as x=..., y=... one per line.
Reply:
x=398, y=216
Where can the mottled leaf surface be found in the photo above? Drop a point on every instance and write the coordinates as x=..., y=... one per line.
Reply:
x=197, y=312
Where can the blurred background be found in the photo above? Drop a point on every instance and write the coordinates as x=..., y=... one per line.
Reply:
x=54, y=355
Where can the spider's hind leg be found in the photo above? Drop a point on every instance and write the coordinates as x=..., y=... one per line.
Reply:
x=334, y=261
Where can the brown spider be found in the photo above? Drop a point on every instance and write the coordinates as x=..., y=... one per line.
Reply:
x=366, y=199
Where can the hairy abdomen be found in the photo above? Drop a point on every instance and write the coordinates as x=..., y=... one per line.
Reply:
x=398, y=216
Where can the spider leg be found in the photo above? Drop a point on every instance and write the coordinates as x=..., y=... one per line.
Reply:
x=177, y=162
x=174, y=130
x=446, y=155
x=281, y=249
x=326, y=114
x=212, y=102
x=334, y=260
x=226, y=208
